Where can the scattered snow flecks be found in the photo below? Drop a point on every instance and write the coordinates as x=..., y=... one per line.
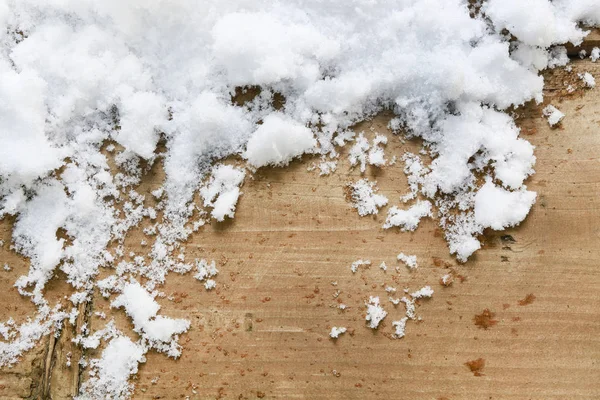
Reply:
x=336, y=332
x=365, y=199
x=375, y=313
x=553, y=114
x=408, y=220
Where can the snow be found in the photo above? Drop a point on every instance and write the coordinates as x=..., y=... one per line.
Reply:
x=542, y=28
x=109, y=377
x=588, y=79
x=595, y=54
x=80, y=77
x=446, y=280
x=553, y=114
x=375, y=313
x=358, y=152
x=359, y=263
x=400, y=327
x=277, y=141
x=498, y=208
x=425, y=291
x=141, y=307
x=210, y=284
x=144, y=115
x=376, y=153
x=222, y=191
x=336, y=332
x=409, y=260
x=205, y=270
x=408, y=220
x=365, y=199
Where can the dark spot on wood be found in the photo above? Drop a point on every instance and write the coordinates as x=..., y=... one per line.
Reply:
x=485, y=320
x=527, y=300
x=476, y=366
x=507, y=239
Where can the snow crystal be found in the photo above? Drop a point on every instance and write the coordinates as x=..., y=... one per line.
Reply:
x=410, y=261
x=359, y=263
x=410, y=307
x=210, y=284
x=365, y=199
x=358, y=152
x=143, y=309
x=205, y=270
x=595, y=54
x=408, y=220
x=414, y=170
x=277, y=141
x=222, y=192
x=446, y=280
x=376, y=153
x=375, y=313
x=587, y=79
x=400, y=327
x=425, y=291
x=553, y=114
x=336, y=332
x=327, y=167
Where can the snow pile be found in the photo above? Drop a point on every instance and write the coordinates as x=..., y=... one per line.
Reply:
x=498, y=208
x=85, y=83
x=277, y=141
x=109, y=376
x=364, y=198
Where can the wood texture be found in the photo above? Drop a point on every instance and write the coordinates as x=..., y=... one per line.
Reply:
x=264, y=332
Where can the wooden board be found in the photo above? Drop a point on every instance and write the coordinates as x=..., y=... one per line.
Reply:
x=264, y=332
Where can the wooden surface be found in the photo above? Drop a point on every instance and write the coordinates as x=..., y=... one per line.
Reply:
x=264, y=332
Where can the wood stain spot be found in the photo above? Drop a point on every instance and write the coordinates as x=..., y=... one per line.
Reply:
x=476, y=366
x=527, y=300
x=485, y=320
